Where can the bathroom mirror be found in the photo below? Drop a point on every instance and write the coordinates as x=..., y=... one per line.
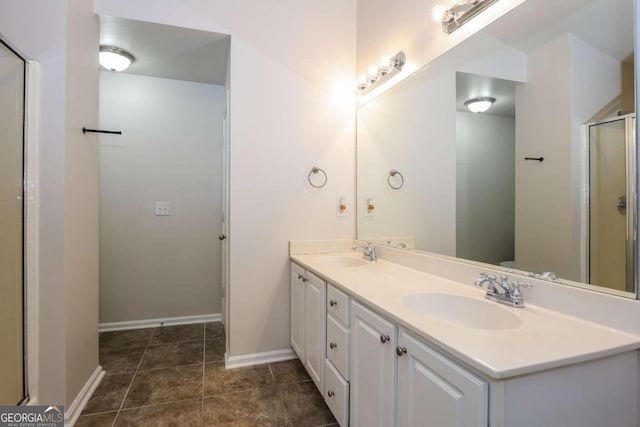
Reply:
x=544, y=179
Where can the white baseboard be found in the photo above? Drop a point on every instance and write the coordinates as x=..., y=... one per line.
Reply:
x=258, y=358
x=71, y=415
x=154, y=323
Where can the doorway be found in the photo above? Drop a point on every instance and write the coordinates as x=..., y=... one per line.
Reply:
x=12, y=225
x=163, y=179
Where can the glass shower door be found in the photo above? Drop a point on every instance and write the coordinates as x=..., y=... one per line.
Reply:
x=612, y=203
x=12, y=372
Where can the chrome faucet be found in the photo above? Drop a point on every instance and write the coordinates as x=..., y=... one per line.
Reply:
x=501, y=291
x=369, y=251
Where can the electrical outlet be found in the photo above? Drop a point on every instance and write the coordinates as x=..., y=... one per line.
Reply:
x=162, y=209
x=341, y=207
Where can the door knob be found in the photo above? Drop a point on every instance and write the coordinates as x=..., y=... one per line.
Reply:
x=222, y=236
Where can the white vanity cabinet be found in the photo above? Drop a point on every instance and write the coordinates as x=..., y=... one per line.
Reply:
x=308, y=324
x=432, y=390
x=373, y=371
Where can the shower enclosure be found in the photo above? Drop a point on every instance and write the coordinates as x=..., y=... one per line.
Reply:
x=12, y=92
x=611, y=203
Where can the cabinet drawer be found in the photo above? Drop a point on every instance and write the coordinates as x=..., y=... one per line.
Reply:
x=338, y=304
x=338, y=345
x=336, y=394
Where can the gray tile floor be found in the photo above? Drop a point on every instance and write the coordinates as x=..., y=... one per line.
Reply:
x=175, y=376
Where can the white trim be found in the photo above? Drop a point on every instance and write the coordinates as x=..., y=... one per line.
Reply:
x=71, y=415
x=32, y=227
x=258, y=358
x=154, y=323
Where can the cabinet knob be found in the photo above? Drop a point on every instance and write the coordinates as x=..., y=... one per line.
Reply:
x=333, y=303
x=401, y=350
x=299, y=276
x=333, y=345
x=304, y=280
x=384, y=338
x=330, y=393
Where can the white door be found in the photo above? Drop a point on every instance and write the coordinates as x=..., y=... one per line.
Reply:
x=224, y=227
x=315, y=328
x=372, y=369
x=435, y=392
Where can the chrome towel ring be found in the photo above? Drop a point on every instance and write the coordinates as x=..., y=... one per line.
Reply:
x=393, y=173
x=316, y=170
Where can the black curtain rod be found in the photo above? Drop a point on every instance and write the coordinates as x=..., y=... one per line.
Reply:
x=115, y=132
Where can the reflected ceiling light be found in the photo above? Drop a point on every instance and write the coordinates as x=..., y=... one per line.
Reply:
x=479, y=105
x=378, y=74
x=115, y=59
x=458, y=14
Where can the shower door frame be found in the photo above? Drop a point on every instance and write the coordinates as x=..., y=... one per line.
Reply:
x=25, y=169
x=631, y=205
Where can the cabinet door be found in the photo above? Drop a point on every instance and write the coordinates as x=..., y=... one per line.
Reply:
x=433, y=391
x=372, y=369
x=315, y=327
x=297, y=310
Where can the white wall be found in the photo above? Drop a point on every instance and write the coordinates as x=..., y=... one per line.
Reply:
x=568, y=82
x=170, y=150
x=485, y=187
x=292, y=108
x=65, y=44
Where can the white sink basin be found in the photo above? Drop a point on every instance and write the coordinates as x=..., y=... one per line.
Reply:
x=464, y=311
x=339, y=261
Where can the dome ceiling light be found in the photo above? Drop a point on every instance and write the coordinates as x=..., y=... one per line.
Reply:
x=115, y=59
x=479, y=105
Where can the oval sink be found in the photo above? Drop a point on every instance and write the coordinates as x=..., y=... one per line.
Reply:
x=339, y=261
x=464, y=311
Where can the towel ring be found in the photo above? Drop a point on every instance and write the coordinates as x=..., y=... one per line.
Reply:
x=316, y=170
x=392, y=173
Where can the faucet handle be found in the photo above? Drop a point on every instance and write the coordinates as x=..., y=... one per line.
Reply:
x=515, y=286
x=488, y=276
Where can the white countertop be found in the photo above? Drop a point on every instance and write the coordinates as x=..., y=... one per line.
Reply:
x=545, y=339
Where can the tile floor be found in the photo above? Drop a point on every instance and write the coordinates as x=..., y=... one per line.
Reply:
x=175, y=376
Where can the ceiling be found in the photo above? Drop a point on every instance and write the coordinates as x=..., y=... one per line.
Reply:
x=605, y=24
x=167, y=51
x=470, y=86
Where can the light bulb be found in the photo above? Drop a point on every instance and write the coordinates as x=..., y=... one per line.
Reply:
x=373, y=71
x=438, y=13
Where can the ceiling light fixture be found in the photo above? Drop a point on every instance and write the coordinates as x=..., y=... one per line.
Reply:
x=378, y=74
x=479, y=105
x=458, y=14
x=115, y=59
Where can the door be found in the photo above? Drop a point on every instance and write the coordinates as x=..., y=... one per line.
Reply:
x=372, y=369
x=297, y=310
x=12, y=369
x=611, y=203
x=315, y=294
x=435, y=392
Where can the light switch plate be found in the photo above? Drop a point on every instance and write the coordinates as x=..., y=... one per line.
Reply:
x=162, y=209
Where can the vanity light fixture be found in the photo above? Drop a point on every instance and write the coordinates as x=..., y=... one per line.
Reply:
x=461, y=12
x=377, y=74
x=115, y=59
x=480, y=104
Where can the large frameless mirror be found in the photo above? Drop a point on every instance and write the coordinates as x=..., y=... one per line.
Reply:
x=542, y=182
